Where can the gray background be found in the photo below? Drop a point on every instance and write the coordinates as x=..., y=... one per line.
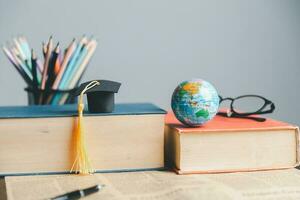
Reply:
x=241, y=47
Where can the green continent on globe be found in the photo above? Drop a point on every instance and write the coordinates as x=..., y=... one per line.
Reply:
x=202, y=113
x=182, y=92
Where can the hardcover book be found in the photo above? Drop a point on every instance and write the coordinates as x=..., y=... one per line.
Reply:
x=230, y=145
x=39, y=140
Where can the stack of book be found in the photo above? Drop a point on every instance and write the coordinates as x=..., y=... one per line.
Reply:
x=38, y=139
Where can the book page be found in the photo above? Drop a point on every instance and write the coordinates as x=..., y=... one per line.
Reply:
x=157, y=185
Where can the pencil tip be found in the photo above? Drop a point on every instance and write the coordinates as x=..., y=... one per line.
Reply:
x=33, y=56
x=57, y=47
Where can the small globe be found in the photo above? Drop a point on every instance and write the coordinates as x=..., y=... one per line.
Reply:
x=195, y=102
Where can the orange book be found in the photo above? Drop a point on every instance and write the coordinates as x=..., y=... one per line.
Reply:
x=230, y=145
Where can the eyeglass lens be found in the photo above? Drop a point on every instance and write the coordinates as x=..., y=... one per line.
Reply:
x=248, y=104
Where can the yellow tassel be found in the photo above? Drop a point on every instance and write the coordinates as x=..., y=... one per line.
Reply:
x=82, y=163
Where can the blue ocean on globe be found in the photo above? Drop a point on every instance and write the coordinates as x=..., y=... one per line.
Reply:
x=195, y=102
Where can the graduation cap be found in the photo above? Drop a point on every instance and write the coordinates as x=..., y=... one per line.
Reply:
x=101, y=98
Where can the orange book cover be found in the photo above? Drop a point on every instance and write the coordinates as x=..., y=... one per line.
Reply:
x=224, y=124
x=219, y=123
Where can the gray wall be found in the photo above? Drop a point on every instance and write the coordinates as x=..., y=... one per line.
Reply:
x=241, y=47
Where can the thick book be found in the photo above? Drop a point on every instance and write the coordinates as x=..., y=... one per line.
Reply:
x=39, y=139
x=230, y=145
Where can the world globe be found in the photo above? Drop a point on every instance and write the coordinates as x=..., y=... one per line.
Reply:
x=195, y=102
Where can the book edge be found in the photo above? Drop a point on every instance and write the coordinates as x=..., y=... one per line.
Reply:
x=97, y=171
x=182, y=172
x=182, y=131
x=297, y=146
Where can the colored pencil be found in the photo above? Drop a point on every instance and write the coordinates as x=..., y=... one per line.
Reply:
x=25, y=46
x=51, y=73
x=39, y=65
x=68, y=71
x=46, y=63
x=34, y=70
x=17, y=67
x=44, y=49
x=19, y=49
x=64, y=64
x=60, y=70
x=58, y=62
x=22, y=66
x=35, y=84
x=90, y=49
x=51, y=67
x=45, y=70
x=63, y=83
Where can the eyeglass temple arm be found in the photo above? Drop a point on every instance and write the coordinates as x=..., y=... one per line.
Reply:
x=268, y=111
x=220, y=98
x=258, y=119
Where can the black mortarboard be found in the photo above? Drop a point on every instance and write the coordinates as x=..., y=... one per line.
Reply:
x=101, y=98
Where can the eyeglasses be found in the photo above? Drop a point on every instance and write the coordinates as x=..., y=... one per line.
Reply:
x=247, y=105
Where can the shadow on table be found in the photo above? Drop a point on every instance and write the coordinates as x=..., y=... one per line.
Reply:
x=2, y=189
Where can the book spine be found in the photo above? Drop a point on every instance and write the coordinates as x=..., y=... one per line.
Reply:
x=298, y=148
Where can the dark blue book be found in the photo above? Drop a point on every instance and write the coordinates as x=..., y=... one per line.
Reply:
x=40, y=140
x=71, y=110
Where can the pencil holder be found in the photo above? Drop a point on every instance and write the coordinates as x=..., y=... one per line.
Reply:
x=37, y=96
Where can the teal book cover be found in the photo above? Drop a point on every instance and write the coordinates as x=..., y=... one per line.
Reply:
x=71, y=110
